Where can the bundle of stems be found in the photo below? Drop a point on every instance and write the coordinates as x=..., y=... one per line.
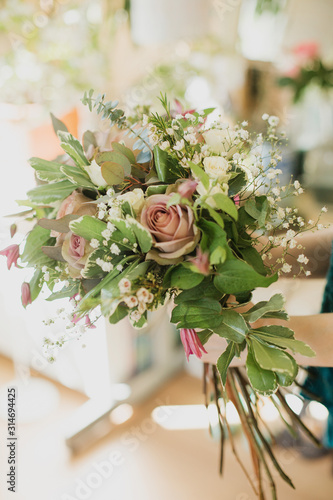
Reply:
x=259, y=437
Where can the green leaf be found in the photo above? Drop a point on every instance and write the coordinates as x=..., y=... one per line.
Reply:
x=143, y=236
x=114, y=157
x=275, y=303
x=60, y=225
x=225, y=204
x=184, y=278
x=68, y=291
x=262, y=381
x=204, y=335
x=49, y=193
x=213, y=238
x=124, y=150
x=77, y=176
x=286, y=380
x=112, y=173
x=292, y=344
x=233, y=326
x=32, y=253
x=159, y=189
x=275, y=331
x=272, y=358
x=92, y=270
x=58, y=124
x=277, y=315
x=119, y=314
x=214, y=215
x=200, y=174
x=125, y=228
x=88, y=227
x=48, y=171
x=35, y=289
x=73, y=148
x=88, y=140
x=237, y=184
x=253, y=257
x=205, y=289
x=235, y=276
x=257, y=208
x=224, y=361
x=204, y=313
x=167, y=168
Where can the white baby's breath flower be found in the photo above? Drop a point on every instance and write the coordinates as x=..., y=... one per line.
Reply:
x=94, y=243
x=106, y=234
x=302, y=259
x=101, y=214
x=111, y=227
x=286, y=268
x=324, y=209
x=307, y=273
x=273, y=121
x=107, y=267
x=170, y=131
x=119, y=267
x=115, y=249
x=311, y=222
x=265, y=116
x=290, y=234
x=297, y=185
x=142, y=307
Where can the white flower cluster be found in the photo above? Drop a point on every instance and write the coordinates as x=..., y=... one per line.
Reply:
x=138, y=300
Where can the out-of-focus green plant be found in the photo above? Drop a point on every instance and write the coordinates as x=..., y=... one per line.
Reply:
x=54, y=48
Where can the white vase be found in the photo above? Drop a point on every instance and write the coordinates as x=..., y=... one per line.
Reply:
x=165, y=21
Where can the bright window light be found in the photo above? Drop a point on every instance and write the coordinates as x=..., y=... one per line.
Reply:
x=121, y=414
x=295, y=403
x=318, y=411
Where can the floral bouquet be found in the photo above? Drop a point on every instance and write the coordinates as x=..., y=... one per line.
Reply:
x=175, y=207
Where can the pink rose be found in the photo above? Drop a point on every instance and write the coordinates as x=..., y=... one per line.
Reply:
x=75, y=203
x=173, y=230
x=75, y=250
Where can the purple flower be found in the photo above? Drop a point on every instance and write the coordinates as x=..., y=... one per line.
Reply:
x=25, y=294
x=12, y=253
x=201, y=261
x=191, y=343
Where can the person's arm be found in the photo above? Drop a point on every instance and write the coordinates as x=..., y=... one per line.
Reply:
x=315, y=330
x=318, y=245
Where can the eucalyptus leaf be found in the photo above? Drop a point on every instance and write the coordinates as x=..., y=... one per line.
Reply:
x=124, y=150
x=112, y=173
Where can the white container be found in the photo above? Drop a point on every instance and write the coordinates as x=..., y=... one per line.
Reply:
x=163, y=21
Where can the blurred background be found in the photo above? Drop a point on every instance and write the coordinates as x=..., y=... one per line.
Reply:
x=119, y=414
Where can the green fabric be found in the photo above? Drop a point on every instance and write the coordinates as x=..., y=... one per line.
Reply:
x=320, y=380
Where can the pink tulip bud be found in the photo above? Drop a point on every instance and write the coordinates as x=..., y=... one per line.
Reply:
x=201, y=261
x=191, y=343
x=12, y=253
x=25, y=294
x=13, y=229
x=187, y=188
